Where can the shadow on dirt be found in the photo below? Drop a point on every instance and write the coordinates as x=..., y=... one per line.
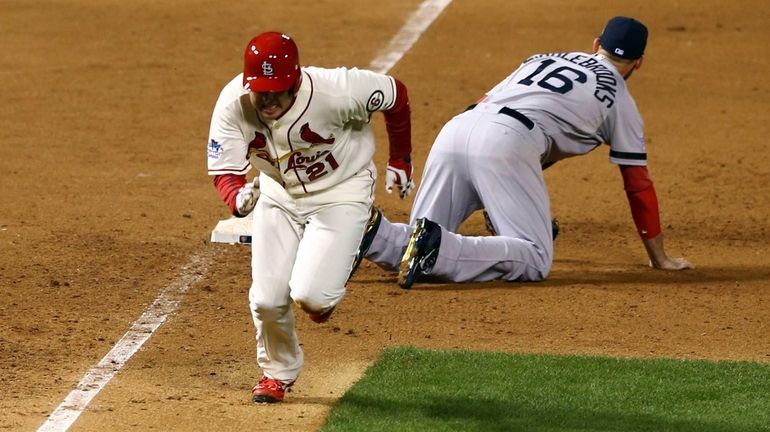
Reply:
x=636, y=275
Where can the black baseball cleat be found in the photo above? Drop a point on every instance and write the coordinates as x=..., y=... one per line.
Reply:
x=554, y=227
x=366, y=241
x=488, y=224
x=421, y=252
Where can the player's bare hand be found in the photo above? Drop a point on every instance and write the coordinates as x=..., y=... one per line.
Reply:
x=672, y=264
x=399, y=173
x=247, y=197
x=659, y=259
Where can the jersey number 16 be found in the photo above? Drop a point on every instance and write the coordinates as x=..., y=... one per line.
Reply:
x=556, y=80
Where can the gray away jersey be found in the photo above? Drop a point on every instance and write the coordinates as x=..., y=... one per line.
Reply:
x=580, y=101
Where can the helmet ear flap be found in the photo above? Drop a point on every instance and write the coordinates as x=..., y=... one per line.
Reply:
x=271, y=63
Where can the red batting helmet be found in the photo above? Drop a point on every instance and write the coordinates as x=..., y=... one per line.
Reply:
x=271, y=63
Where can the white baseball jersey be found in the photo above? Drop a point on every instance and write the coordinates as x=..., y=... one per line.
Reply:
x=580, y=101
x=323, y=139
x=317, y=181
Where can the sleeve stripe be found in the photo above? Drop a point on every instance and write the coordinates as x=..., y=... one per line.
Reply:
x=626, y=155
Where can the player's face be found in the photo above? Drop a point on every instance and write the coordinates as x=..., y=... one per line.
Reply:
x=271, y=105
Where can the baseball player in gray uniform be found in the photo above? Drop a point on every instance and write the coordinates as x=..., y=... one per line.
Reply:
x=492, y=156
x=306, y=130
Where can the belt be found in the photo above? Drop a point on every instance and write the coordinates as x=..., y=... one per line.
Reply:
x=512, y=113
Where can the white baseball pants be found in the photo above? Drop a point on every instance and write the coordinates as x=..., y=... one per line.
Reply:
x=302, y=250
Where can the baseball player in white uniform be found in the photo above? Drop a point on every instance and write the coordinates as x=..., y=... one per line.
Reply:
x=492, y=156
x=306, y=130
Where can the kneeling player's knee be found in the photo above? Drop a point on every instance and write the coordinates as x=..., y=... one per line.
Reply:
x=542, y=269
x=537, y=270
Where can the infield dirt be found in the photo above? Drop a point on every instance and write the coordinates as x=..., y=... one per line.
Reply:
x=105, y=198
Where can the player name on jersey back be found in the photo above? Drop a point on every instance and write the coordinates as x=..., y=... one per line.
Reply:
x=606, y=78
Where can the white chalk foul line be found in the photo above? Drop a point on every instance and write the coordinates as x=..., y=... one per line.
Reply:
x=402, y=42
x=168, y=301
x=141, y=330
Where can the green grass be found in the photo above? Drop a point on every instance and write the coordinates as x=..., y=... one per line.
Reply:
x=418, y=390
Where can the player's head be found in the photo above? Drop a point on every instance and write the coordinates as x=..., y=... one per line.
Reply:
x=271, y=63
x=624, y=40
x=624, y=37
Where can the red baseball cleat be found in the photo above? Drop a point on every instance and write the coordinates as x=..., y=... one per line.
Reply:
x=269, y=390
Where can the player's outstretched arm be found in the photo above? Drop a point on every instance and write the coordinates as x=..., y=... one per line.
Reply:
x=644, y=209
